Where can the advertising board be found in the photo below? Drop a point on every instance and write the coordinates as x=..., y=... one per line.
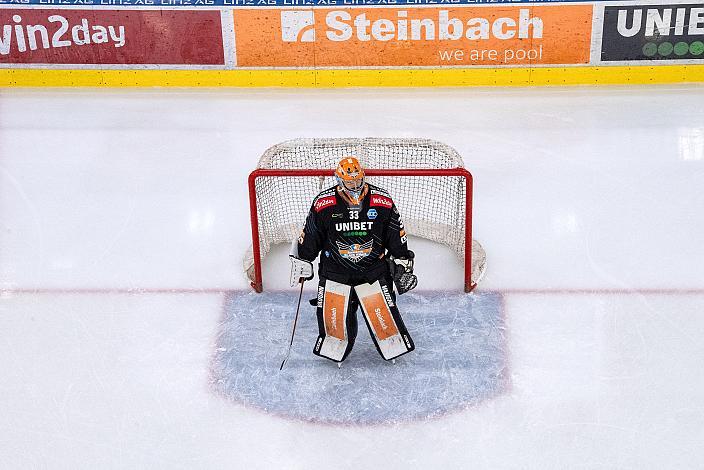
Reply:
x=402, y=37
x=102, y=37
x=653, y=32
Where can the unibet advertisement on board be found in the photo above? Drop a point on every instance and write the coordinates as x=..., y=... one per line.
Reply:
x=653, y=32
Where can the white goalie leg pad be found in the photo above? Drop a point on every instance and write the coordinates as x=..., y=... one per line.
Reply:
x=376, y=308
x=335, y=303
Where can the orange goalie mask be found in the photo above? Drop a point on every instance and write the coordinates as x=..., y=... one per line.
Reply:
x=350, y=177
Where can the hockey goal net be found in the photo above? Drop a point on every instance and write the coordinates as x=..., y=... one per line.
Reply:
x=426, y=179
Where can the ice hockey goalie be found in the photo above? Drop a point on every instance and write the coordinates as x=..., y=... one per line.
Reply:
x=357, y=230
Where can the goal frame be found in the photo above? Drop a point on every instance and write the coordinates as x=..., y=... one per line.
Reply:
x=258, y=285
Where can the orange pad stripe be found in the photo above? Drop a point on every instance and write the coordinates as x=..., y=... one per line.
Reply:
x=334, y=315
x=380, y=317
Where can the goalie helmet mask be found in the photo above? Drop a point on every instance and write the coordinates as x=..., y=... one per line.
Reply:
x=350, y=178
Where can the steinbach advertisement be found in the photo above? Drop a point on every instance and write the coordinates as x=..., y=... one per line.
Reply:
x=100, y=37
x=452, y=36
x=653, y=32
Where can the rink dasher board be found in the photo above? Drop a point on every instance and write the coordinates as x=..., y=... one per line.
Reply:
x=231, y=72
x=346, y=78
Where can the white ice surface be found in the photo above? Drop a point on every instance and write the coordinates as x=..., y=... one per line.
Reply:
x=588, y=203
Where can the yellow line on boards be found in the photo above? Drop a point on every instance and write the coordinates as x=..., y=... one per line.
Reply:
x=326, y=78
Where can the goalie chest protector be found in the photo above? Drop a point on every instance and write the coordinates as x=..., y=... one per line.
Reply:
x=352, y=239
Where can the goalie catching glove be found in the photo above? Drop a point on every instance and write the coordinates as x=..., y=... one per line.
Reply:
x=301, y=270
x=402, y=272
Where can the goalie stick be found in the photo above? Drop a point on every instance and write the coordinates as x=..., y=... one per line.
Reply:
x=293, y=331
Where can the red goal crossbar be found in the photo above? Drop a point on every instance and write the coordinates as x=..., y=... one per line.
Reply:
x=257, y=283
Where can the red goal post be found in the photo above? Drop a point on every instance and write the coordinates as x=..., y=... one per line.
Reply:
x=435, y=203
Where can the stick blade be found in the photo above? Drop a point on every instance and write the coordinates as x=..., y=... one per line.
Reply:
x=284, y=362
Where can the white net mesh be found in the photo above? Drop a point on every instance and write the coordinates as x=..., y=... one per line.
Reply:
x=432, y=207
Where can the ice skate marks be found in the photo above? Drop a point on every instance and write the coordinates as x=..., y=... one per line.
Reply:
x=460, y=360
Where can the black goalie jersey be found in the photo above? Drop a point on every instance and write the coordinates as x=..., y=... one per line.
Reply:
x=352, y=239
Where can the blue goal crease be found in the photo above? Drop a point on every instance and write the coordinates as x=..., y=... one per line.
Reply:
x=460, y=360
